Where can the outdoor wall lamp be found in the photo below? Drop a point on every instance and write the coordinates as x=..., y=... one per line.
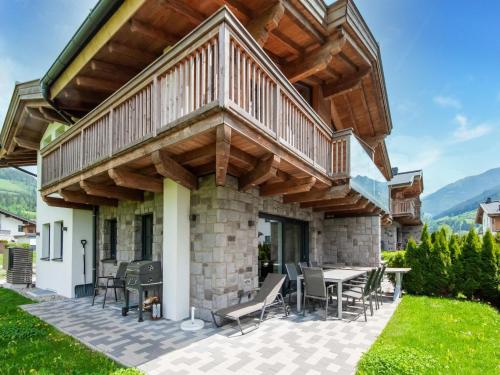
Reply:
x=193, y=217
x=251, y=223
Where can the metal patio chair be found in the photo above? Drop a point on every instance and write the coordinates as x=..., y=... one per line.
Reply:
x=267, y=295
x=362, y=292
x=315, y=288
x=313, y=263
x=117, y=282
x=302, y=265
x=292, y=273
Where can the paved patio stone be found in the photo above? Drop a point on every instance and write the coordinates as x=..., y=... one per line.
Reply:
x=293, y=345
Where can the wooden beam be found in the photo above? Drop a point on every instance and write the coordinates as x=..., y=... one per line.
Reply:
x=58, y=202
x=222, y=152
x=261, y=26
x=288, y=187
x=334, y=192
x=200, y=155
x=98, y=84
x=169, y=168
x=243, y=157
x=265, y=169
x=82, y=198
x=149, y=31
x=332, y=202
x=105, y=67
x=35, y=113
x=343, y=87
x=51, y=115
x=190, y=13
x=303, y=21
x=112, y=192
x=289, y=43
x=135, y=180
x=318, y=60
x=139, y=55
x=27, y=143
x=359, y=205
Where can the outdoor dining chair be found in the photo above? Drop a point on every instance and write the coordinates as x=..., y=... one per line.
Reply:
x=361, y=281
x=313, y=263
x=302, y=265
x=292, y=273
x=117, y=282
x=315, y=288
x=267, y=295
x=362, y=292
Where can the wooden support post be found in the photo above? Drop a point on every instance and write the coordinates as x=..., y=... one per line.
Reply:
x=222, y=152
x=169, y=168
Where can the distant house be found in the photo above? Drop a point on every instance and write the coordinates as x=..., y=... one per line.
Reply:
x=488, y=215
x=16, y=228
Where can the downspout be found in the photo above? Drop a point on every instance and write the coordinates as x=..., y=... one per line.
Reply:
x=95, y=213
x=60, y=112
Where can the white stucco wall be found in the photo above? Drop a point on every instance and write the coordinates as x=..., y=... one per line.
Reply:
x=10, y=225
x=61, y=276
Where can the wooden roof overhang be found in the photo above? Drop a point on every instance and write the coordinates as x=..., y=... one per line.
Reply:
x=25, y=123
x=329, y=48
x=408, y=190
x=219, y=137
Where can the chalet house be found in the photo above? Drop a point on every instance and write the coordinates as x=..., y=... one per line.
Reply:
x=193, y=132
x=488, y=215
x=15, y=228
x=405, y=190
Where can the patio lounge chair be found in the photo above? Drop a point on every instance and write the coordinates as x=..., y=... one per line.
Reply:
x=267, y=295
x=315, y=288
x=118, y=281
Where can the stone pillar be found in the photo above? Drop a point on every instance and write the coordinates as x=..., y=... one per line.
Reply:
x=176, y=272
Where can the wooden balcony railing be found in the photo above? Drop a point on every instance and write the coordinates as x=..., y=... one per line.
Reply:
x=217, y=66
x=404, y=207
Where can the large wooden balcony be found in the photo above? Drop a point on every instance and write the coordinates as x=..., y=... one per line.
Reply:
x=406, y=210
x=216, y=103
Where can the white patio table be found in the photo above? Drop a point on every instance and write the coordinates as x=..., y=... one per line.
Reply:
x=399, y=272
x=339, y=276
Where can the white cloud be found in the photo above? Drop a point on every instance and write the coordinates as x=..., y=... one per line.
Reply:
x=447, y=102
x=465, y=132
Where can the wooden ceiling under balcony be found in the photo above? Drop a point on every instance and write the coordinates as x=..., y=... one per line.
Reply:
x=337, y=58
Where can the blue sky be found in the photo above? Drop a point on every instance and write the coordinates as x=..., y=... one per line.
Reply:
x=441, y=61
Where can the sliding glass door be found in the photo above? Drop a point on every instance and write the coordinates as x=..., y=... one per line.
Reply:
x=281, y=240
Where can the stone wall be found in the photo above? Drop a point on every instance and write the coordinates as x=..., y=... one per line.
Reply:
x=224, y=256
x=411, y=231
x=128, y=216
x=353, y=241
x=390, y=236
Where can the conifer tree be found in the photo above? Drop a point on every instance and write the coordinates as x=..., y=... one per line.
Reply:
x=470, y=277
x=416, y=258
x=455, y=268
x=438, y=265
x=489, y=275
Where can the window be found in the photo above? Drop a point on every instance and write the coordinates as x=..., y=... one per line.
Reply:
x=112, y=238
x=147, y=237
x=305, y=91
x=20, y=228
x=45, y=241
x=58, y=240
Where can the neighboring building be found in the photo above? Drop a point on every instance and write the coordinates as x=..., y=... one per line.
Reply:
x=488, y=215
x=405, y=189
x=188, y=127
x=14, y=228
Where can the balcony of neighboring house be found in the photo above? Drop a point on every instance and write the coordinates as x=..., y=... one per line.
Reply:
x=217, y=102
x=405, y=188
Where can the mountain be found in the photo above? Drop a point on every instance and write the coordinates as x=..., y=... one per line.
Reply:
x=461, y=191
x=472, y=203
x=459, y=223
x=18, y=192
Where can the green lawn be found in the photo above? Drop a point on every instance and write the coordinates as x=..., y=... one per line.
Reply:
x=30, y=346
x=437, y=336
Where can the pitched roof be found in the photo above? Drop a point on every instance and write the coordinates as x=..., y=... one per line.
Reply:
x=10, y=214
x=405, y=178
x=492, y=208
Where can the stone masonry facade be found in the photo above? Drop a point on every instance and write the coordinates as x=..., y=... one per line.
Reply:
x=352, y=241
x=224, y=241
x=128, y=218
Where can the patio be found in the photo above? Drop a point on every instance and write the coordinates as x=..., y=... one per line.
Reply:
x=293, y=345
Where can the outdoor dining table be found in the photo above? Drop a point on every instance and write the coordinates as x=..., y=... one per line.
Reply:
x=399, y=272
x=339, y=276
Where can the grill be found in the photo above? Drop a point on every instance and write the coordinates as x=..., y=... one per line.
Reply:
x=144, y=275
x=19, y=265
